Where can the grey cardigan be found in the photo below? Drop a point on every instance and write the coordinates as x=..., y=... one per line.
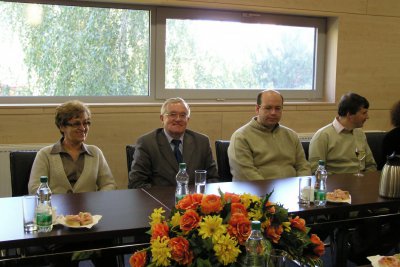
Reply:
x=96, y=174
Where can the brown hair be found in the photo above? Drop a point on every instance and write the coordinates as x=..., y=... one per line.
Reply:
x=69, y=110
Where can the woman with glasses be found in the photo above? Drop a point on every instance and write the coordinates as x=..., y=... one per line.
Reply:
x=71, y=165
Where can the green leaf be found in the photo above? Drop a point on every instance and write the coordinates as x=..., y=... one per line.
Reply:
x=199, y=262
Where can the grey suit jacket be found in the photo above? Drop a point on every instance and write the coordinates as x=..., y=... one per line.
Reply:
x=154, y=162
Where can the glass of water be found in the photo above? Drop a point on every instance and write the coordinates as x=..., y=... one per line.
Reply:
x=200, y=178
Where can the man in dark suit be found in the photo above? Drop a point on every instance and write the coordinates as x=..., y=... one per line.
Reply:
x=158, y=153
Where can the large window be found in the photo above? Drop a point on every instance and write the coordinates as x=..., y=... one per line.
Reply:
x=233, y=55
x=56, y=51
x=122, y=53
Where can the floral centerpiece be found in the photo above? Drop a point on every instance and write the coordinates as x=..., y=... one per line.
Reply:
x=211, y=230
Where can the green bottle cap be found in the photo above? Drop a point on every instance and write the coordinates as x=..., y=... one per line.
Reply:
x=321, y=162
x=182, y=165
x=255, y=225
x=43, y=179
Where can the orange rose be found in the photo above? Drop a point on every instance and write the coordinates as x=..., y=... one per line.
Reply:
x=234, y=198
x=180, y=251
x=238, y=208
x=298, y=223
x=210, y=204
x=239, y=227
x=270, y=207
x=197, y=198
x=274, y=233
x=190, y=202
x=138, y=259
x=319, y=248
x=189, y=220
x=159, y=229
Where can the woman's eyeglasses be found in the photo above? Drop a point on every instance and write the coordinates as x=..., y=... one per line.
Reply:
x=78, y=124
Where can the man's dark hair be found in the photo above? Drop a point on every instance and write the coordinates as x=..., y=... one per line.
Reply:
x=395, y=114
x=351, y=103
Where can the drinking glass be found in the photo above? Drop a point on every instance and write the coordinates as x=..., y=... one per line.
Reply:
x=28, y=209
x=360, y=154
x=306, y=192
x=200, y=177
x=277, y=258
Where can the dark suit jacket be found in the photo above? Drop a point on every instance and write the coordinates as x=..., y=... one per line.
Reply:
x=154, y=162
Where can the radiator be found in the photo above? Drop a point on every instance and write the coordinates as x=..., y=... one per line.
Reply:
x=5, y=175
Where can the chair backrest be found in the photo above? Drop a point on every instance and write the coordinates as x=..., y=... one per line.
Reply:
x=20, y=168
x=130, y=150
x=306, y=145
x=375, y=140
x=221, y=151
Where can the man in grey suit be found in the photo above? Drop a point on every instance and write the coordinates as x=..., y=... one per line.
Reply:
x=158, y=153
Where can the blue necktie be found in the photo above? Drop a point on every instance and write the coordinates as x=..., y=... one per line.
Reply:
x=177, y=152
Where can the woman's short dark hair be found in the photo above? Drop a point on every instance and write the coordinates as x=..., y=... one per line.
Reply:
x=351, y=103
x=69, y=110
x=395, y=114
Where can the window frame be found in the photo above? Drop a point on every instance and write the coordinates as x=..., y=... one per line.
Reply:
x=18, y=100
x=157, y=91
x=221, y=95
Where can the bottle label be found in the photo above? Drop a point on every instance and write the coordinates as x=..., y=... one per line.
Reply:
x=44, y=219
x=319, y=195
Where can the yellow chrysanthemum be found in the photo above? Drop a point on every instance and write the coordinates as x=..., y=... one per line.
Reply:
x=157, y=216
x=247, y=199
x=212, y=226
x=226, y=249
x=161, y=252
x=175, y=219
x=286, y=226
x=255, y=214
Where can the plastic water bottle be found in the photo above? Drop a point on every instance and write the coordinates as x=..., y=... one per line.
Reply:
x=44, y=212
x=182, y=181
x=320, y=184
x=256, y=247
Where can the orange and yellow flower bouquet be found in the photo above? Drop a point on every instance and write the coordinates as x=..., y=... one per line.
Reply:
x=211, y=230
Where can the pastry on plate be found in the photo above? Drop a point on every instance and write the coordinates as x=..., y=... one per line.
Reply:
x=81, y=219
x=338, y=195
x=389, y=261
x=86, y=218
x=73, y=220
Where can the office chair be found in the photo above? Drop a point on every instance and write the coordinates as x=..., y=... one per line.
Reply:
x=221, y=151
x=20, y=168
x=375, y=140
x=130, y=150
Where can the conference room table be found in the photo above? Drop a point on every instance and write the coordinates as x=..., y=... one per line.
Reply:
x=364, y=191
x=124, y=214
x=334, y=217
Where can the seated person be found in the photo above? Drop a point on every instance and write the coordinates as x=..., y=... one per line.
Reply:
x=71, y=165
x=336, y=142
x=391, y=141
x=263, y=149
x=156, y=160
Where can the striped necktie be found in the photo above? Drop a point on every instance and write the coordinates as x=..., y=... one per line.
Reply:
x=177, y=152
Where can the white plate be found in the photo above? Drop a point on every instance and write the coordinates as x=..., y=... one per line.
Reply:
x=340, y=200
x=374, y=259
x=61, y=220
